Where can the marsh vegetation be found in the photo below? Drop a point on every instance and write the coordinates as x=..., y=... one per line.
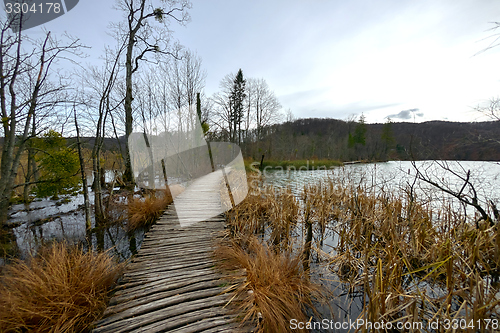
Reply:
x=385, y=253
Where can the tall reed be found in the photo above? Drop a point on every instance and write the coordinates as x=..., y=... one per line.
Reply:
x=409, y=260
x=412, y=262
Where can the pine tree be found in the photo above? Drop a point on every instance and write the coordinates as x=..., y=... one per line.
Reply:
x=237, y=98
x=388, y=135
x=387, y=138
x=360, y=131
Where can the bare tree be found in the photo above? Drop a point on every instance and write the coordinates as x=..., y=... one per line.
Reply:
x=23, y=61
x=193, y=80
x=86, y=202
x=496, y=38
x=261, y=108
x=185, y=78
x=142, y=39
x=266, y=106
x=100, y=98
x=289, y=115
x=223, y=107
x=491, y=110
x=465, y=192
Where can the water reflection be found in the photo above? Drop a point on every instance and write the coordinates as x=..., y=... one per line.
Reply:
x=46, y=220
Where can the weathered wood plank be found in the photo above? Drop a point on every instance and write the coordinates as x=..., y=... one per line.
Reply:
x=145, y=296
x=187, y=312
x=216, y=324
x=172, y=283
x=179, y=321
x=165, y=281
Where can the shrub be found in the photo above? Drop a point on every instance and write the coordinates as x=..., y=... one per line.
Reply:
x=59, y=166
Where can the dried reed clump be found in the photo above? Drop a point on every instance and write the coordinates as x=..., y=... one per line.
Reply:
x=146, y=210
x=61, y=290
x=250, y=215
x=275, y=289
x=276, y=211
x=409, y=261
x=413, y=263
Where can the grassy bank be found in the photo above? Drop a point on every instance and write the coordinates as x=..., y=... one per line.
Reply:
x=63, y=289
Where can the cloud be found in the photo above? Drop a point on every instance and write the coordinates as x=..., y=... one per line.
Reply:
x=406, y=114
x=318, y=103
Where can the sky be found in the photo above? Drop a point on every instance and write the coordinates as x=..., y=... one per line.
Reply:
x=410, y=60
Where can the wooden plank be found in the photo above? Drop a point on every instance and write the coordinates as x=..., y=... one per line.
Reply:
x=164, y=281
x=215, y=324
x=167, y=268
x=179, y=321
x=172, y=283
x=145, y=297
x=187, y=313
x=150, y=294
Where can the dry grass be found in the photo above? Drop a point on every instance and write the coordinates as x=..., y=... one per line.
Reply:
x=270, y=209
x=61, y=290
x=408, y=260
x=275, y=289
x=413, y=263
x=146, y=210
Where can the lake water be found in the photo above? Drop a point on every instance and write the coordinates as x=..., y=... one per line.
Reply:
x=393, y=177
x=396, y=176
x=45, y=220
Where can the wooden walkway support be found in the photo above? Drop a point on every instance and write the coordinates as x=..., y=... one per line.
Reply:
x=171, y=285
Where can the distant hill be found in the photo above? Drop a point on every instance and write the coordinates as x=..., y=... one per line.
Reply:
x=329, y=138
x=326, y=138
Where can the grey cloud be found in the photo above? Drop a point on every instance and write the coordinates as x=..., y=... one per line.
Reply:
x=325, y=109
x=406, y=114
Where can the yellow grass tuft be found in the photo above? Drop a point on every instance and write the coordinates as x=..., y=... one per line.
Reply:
x=146, y=210
x=275, y=289
x=61, y=290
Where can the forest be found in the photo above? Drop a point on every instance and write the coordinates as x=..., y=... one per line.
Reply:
x=355, y=140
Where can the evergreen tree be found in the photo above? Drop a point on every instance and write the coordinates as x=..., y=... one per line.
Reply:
x=387, y=136
x=360, y=131
x=358, y=138
x=237, y=98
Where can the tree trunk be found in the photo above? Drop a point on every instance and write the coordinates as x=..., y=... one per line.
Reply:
x=98, y=206
x=128, y=176
x=27, y=178
x=88, y=223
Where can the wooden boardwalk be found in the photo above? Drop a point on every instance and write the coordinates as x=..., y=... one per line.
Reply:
x=171, y=285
